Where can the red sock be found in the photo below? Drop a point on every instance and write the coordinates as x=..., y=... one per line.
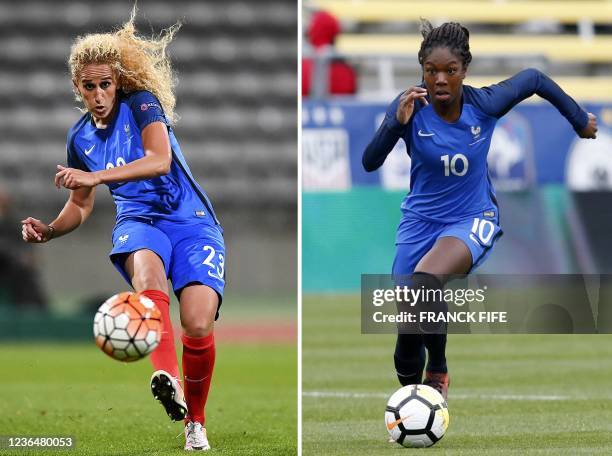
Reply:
x=198, y=363
x=164, y=356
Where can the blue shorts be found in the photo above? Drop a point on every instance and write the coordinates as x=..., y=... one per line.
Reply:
x=417, y=237
x=192, y=252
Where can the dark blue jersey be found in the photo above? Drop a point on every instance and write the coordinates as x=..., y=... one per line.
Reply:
x=449, y=179
x=175, y=196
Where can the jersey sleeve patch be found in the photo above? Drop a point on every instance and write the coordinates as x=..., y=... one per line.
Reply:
x=146, y=109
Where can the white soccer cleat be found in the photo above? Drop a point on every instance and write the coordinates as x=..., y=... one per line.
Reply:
x=167, y=390
x=195, y=437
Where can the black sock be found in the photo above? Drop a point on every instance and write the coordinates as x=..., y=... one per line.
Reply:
x=436, y=350
x=409, y=358
x=434, y=337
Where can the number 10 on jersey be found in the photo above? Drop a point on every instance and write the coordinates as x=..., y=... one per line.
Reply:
x=450, y=164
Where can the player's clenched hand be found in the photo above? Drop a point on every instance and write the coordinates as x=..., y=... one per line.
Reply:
x=406, y=103
x=74, y=178
x=591, y=128
x=33, y=230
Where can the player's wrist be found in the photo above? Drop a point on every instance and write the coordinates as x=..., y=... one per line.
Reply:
x=98, y=178
x=396, y=126
x=50, y=232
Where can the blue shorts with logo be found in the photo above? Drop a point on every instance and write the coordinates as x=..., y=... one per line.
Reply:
x=192, y=251
x=416, y=237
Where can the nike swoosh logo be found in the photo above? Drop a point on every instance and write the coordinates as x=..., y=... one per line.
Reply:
x=88, y=151
x=425, y=134
x=215, y=276
x=475, y=142
x=395, y=423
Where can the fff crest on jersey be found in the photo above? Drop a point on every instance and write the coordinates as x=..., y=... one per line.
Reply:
x=126, y=128
x=475, y=131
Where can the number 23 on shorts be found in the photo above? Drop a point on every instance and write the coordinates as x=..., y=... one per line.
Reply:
x=215, y=262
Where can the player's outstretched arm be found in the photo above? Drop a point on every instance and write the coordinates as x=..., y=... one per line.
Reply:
x=498, y=99
x=393, y=127
x=76, y=210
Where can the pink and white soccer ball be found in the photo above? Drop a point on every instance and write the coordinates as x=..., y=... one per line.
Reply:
x=127, y=326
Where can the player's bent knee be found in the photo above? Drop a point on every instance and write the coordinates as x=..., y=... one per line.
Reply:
x=198, y=304
x=200, y=328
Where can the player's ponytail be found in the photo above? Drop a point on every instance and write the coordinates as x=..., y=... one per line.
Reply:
x=425, y=28
x=451, y=35
x=140, y=63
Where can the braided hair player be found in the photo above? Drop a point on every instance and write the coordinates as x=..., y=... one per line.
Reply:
x=450, y=218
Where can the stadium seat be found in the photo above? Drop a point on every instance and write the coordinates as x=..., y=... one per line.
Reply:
x=483, y=11
x=554, y=48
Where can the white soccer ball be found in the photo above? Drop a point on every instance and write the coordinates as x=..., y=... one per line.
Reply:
x=416, y=416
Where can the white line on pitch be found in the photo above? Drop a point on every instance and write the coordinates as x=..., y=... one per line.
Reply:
x=498, y=397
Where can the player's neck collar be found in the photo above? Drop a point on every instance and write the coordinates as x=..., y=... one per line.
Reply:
x=461, y=101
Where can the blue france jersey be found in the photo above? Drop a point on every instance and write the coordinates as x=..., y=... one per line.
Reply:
x=449, y=179
x=449, y=172
x=175, y=196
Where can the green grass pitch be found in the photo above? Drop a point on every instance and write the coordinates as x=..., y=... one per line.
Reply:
x=509, y=395
x=74, y=389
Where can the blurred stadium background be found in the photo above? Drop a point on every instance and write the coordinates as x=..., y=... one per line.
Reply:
x=555, y=201
x=236, y=63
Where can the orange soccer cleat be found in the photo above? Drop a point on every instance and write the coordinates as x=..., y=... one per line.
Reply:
x=438, y=381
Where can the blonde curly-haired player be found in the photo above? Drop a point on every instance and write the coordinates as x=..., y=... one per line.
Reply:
x=166, y=227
